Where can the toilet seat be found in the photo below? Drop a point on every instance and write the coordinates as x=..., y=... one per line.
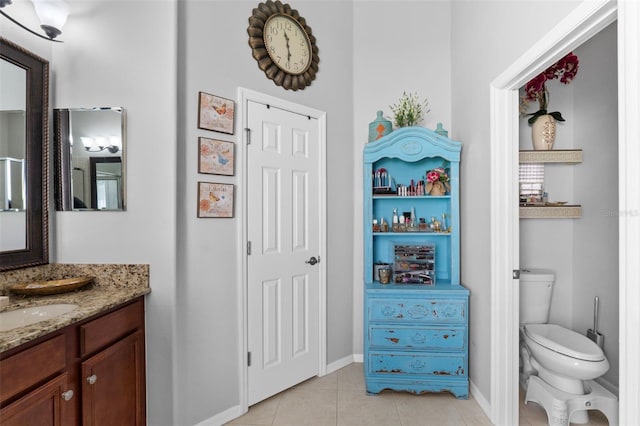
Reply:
x=564, y=341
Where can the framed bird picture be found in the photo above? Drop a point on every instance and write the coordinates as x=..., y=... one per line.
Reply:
x=215, y=199
x=215, y=157
x=215, y=113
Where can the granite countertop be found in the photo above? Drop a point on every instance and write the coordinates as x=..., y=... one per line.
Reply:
x=113, y=285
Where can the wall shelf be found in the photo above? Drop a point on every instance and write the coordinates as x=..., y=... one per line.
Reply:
x=564, y=156
x=567, y=156
x=549, y=212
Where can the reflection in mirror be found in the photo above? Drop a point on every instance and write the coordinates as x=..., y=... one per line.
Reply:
x=90, y=158
x=13, y=107
x=24, y=95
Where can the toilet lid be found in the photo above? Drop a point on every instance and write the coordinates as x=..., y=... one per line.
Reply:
x=564, y=341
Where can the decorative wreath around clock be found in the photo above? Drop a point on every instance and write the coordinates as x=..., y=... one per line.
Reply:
x=283, y=45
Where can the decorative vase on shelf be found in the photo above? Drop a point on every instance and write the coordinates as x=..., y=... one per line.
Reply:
x=379, y=127
x=543, y=133
x=436, y=188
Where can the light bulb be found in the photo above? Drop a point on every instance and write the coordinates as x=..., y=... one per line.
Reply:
x=87, y=142
x=52, y=15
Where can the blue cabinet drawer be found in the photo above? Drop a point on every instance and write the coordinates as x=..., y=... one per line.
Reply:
x=418, y=364
x=417, y=310
x=451, y=338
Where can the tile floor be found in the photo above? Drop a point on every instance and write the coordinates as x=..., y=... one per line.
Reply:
x=339, y=399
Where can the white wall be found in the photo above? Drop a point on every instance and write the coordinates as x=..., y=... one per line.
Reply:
x=548, y=243
x=123, y=54
x=595, y=252
x=487, y=37
x=398, y=46
x=214, y=57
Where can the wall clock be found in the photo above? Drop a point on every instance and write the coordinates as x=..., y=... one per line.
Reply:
x=283, y=45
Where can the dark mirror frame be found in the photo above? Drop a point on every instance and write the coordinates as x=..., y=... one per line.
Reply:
x=37, y=156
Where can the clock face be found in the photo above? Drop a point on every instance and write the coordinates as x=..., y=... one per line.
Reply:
x=287, y=44
x=283, y=45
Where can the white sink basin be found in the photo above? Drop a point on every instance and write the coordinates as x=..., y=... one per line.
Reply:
x=27, y=316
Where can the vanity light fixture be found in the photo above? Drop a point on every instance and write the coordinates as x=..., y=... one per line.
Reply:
x=97, y=144
x=52, y=15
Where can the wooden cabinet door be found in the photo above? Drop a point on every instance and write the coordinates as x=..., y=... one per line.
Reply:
x=47, y=405
x=113, y=384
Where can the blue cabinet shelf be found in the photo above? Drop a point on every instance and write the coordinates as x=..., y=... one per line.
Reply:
x=415, y=335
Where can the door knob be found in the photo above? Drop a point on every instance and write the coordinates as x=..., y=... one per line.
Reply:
x=67, y=395
x=312, y=261
x=92, y=379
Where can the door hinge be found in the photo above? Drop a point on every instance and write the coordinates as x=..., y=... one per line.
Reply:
x=516, y=274
x=248, y=248
x=248, y=130
x=248, y=359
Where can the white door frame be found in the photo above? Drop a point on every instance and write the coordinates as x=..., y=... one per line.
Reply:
x=244, y=96
x=584, y=22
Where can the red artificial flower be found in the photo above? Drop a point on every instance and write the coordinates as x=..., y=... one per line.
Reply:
x=535, y=90
x=433, y=176
x=535, y=86
x=569, y=67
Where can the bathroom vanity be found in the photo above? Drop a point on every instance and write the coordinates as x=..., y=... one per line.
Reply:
x=86, y=366
x=86, y=373
x=415, y=326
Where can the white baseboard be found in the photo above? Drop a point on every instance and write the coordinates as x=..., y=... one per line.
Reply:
x=224, y=417
x=343, y=362
x=480, y=399
x=358, y=358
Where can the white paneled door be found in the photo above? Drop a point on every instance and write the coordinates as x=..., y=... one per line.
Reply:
x=283, y=214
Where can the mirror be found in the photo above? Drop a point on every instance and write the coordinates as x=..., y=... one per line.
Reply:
x=24, y=97
x=90, y=158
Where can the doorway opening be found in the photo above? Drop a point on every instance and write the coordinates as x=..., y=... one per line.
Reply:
x=568, y=233
x=588, y=19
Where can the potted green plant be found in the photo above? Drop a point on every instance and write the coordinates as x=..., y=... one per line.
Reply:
x=409, y=110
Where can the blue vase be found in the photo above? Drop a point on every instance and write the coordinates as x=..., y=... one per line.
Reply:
x=441, y=131
x=379, y=127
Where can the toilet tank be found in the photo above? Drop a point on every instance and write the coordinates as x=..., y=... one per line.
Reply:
x=536, y=286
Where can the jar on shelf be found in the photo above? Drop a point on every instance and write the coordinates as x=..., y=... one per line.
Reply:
x=379, y=127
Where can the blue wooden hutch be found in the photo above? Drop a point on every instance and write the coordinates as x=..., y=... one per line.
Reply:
x=416, y=326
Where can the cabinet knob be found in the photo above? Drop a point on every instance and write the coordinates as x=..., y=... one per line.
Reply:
x=92, y=379
x=67, y=395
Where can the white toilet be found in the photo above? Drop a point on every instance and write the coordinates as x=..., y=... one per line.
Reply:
x=561, y=358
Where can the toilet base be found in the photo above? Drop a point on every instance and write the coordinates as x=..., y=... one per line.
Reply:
x=560, y=406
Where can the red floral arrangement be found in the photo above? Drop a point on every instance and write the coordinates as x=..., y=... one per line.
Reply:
x=536, y=89
x=438, y=181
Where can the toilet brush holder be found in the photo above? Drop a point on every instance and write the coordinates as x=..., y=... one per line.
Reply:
x=593, y=334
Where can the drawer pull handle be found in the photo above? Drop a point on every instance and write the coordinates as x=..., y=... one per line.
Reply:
x=67, y=395
x=417, y=311
x=418, y=364
x=418, y=338
x=92, y=379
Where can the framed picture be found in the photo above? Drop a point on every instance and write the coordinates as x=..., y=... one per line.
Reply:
x=215, y=157
x=215, y=113
x=215, y=199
